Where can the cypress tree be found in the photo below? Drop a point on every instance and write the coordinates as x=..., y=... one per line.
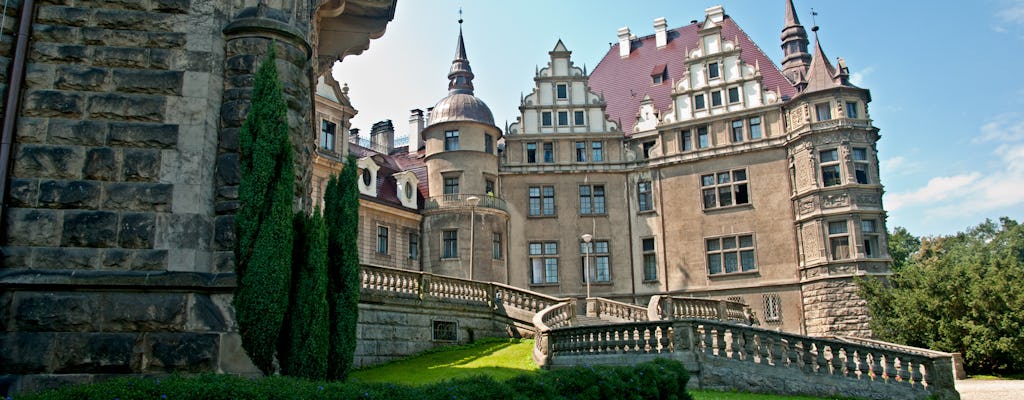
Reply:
x=263, y=224
x=304, y=339
x=341, y=201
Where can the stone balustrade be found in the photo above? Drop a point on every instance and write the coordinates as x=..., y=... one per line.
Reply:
x=675, y=308
x=614, y=311
x=557, y=315
x=729, y=355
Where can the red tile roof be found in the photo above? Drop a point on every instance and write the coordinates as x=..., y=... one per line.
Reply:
x=625, y=81
x=387, y=186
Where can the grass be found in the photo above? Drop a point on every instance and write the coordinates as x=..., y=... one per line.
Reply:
x=498, y=358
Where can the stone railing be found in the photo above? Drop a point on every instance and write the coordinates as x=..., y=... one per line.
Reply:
x=731, y=355
x=841, y=123
x=674, y=308
x=461, y=200
x=555, y=316
x=614, y=311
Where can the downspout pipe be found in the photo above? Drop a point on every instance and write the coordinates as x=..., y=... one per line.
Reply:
x=13, y=101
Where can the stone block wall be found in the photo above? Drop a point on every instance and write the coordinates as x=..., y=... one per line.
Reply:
x=833, y=307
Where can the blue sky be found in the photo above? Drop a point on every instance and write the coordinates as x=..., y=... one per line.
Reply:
x=944, y=78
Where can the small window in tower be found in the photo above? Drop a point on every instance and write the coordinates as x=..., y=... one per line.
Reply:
x=823, y=112
x=851, y=109
x=659, y=74
x=713, y=70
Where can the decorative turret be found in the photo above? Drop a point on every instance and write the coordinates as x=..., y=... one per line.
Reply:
x=461, y=104
x=796, y=60
x=822, y=75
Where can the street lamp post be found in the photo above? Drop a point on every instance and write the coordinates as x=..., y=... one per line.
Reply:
x=472, y=200
x=586, y=260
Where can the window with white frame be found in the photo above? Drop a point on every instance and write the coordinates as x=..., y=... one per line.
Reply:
x=823, y=111
x=581, y=151
x=327, y=134
x=860, y=164
x=578, y=118
x=382, y=239
x=685, y=140
x=839, y=240
x=733, y=94
x=698, y=101
x=596, y=151
x=414, y=246
x=563, y=118
x=549, y=152
x=716, y=98
x=545, y=118
x=542, y=201
x=451, y=185
x=650, y=260
x=703, y=139
x=755, y=127
x=531, y=152
x=870, y=233
x=451, y=140
x=713, y=72
x=367, y=176
x=643, y=194
x=599, y=265
x=561, y=91
x=851, y=109
x=592, y=200
x=450, y=244
x=726, y=188
x=830, y=170
x=730, y=254
x=543, y=263
x=737, y=131
x=772, y=308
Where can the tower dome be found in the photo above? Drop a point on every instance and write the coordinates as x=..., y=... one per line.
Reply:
x=461, y=104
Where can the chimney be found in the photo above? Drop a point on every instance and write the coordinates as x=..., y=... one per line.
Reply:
x=716, y=14
x=415, y=129
x=382, y=137
x=660, y=32
x=625, y=45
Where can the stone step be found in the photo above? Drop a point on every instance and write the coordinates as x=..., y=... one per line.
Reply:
x=583, y=320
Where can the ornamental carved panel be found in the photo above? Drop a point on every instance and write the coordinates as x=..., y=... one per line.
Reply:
x=807, y=205
x=835, y=200
x=812, y=245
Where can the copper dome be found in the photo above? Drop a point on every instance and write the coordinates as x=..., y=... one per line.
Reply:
x=461, y=107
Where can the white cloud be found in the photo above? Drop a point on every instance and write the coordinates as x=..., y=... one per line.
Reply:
x=857, y=78
x=937, y=190
x=1008, y=127
x=1012, y=12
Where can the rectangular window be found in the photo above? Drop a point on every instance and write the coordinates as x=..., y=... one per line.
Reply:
x=489, y=187
x=650, y=260
x=737, y=131
x=549, y=152
x=685, y=141
x=382, y=239
x=860, y=164
x=578, y=118
x=755, y=127
x=543, y=263
x=545, y=118
x=869, y=230
x=562, y=91
x=772, y=307
x=581, y=151
x=563, y=118
x=698, y=102
x=703, y=140
x=851, y=109
x=730, y=254
x=643, y=193
x=446, y=331
x=713, y=71
x=716, y=98
x=725, y=188
x=414, y=246
x=823, y=112
x=592, y=199
x=599, y=265
x=327, y=134
x=647, y=146
x=829, y=160
x=839, y=240
x=734, y=95
x=488, y=144
x=451, y=185
x=531, y=152
x=596, y=151
x=496, y=246
x=451, y=140
x=450, y=244
x=542, y=200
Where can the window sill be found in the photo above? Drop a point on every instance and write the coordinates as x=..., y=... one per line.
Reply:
x=594, y=215
x=733, y=207
x=602, y=283
x=449, y=259
x=647, y=212
x=555, y=284
x=542, y=216
x=734, y=274
x=653, y=282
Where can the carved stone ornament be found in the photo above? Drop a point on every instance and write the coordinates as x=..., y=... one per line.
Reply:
x=835, y=200
x=807, y=206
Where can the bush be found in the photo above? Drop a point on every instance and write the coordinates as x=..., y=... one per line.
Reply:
x=341, y=211
x=657, y=380
x=304, y=339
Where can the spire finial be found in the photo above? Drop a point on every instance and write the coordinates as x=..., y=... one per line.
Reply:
x=460, y=17
x=814, y=20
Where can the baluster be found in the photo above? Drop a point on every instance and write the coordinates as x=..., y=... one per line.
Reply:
x=720, y=342
x=905, y=363
x=666, y=339
x=851, y=363
x=822, y=362
x=765, y=342
x=837, y=362
x=877, y=373
x=916, y=373
x=890, y=368
x=792, y=355
x=737, y=346
x=808, y=357
x=749, y=345
x=652, y=339
x=777, y=351
x=862, y=365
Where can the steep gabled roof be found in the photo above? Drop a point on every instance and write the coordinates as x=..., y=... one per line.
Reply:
x=625, y=81
x=387, y=186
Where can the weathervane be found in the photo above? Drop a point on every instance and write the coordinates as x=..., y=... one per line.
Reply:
x=460, y=15
x=813, y=20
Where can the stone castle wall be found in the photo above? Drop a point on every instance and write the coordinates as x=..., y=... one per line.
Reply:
x=833, y=307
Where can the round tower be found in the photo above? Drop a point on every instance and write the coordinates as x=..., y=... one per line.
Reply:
x=465, y=218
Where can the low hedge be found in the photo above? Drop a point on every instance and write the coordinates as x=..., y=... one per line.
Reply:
x=660, y=380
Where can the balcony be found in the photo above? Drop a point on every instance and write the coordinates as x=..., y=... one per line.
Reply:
x=461, y=201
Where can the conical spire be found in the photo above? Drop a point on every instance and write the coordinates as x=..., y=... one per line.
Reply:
x=795, y=60
x=821, y=75
x=460, y=77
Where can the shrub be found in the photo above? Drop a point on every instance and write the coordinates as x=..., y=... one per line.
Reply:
x=341, y=210
x=304, y=340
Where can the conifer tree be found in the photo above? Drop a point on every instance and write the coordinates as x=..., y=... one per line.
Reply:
x=341, y=210
x=304, y=338
x=263, y=224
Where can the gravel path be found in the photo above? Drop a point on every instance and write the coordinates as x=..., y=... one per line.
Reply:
x=974, y=389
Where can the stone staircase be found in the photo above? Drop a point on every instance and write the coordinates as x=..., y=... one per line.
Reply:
x=583, y=320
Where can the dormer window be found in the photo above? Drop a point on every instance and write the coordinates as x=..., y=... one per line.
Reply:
x=713, y=70
x=408, y=190
x=367, y=177
x=561, y=91
x=659, y=74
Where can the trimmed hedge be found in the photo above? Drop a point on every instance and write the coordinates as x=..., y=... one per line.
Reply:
x=658, y=380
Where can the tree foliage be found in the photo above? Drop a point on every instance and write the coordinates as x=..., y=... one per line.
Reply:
x=341, y=210
x=263, y=224
x=304, y=338
x=901, y=246
x=959, y=293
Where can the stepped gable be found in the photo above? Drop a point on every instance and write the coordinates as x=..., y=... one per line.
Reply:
x=387, y=186
x=625, y=81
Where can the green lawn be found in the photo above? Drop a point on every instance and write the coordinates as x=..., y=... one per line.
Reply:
x=498, y=358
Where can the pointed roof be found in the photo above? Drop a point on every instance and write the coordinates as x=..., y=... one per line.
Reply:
x=460, y=77
x=791, y=17
x=821, y=75
x=559, y=47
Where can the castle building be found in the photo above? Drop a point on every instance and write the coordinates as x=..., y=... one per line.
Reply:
x=686, y=163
